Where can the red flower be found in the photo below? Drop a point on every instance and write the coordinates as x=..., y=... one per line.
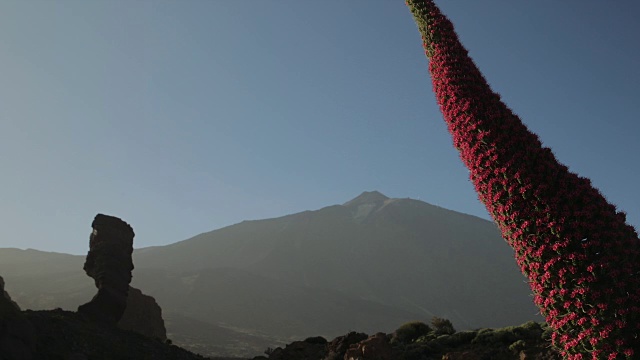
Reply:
x=576, y=248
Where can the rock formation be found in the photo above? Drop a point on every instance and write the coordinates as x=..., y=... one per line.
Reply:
x=339, y=346
x=17, y=335
x=110, y=264
x=67, y=335
x=376, y=347
x=7, y=306
x=143, y=315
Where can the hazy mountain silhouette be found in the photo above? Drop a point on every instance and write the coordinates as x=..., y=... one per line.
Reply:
x=367, y=265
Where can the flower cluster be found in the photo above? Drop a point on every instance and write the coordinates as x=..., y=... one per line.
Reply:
x=581, y=257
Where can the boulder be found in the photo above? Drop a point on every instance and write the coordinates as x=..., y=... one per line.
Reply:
x=109, y=263
x=143, y=315
x=339, y=346
x=375, y=347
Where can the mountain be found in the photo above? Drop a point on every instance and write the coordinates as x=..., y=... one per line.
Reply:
x=367, y=265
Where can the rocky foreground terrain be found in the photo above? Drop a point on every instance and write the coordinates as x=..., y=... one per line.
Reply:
x=66, y=335
x=418, y=341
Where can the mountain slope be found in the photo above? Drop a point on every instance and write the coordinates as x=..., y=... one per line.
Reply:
x=400, y=252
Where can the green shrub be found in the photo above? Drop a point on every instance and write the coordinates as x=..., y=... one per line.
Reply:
x=529, y=330
x=457, y=339
x=518, y=346
x=442, y=326
x=546, y=332
x=495, y=337
x=410, y=332
x=415, y=352
x=531, y=325
x=434, y=346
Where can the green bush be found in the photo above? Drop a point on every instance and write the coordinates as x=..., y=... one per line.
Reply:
x=528, y=330
x=532, y=326
x=495, y=337
x=518, y=346
x=457, y=339
x=410, y=332
x=415, y=352
x=442, y=326
x=546, y=332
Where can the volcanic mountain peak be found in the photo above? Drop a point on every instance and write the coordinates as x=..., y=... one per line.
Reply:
x=366, y=203
x=367, y=197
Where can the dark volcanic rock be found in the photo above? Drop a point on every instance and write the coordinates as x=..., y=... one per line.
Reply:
x=7, y=306
x=110, y=264
x=17, y=335
x=143, y=315
x=339, y=346
x=376, y=347
x=67, y=335
x=17, y=338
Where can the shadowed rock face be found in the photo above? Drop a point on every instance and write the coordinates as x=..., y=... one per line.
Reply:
x=7, y=306
x=110, y=264
x=339, y=346
x=17, y=335
x=143, y=315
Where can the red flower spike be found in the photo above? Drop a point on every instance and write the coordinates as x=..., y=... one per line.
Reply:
x=579, y=254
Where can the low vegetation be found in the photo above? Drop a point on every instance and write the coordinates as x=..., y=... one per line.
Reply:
x=417, y=340
x=530, y=339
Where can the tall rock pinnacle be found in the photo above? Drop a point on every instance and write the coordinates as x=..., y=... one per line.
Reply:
x=109, y=263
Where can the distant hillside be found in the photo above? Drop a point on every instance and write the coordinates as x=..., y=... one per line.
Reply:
x=367, y=265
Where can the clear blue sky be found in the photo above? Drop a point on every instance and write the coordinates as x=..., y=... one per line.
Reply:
x=186, y=116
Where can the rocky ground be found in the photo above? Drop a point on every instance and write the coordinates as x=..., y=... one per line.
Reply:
x=417, y=341
x=68, y=335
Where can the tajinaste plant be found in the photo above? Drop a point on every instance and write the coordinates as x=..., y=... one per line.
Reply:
x=581, y=258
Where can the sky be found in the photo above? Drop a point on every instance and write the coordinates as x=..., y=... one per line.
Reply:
x=182, y=117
